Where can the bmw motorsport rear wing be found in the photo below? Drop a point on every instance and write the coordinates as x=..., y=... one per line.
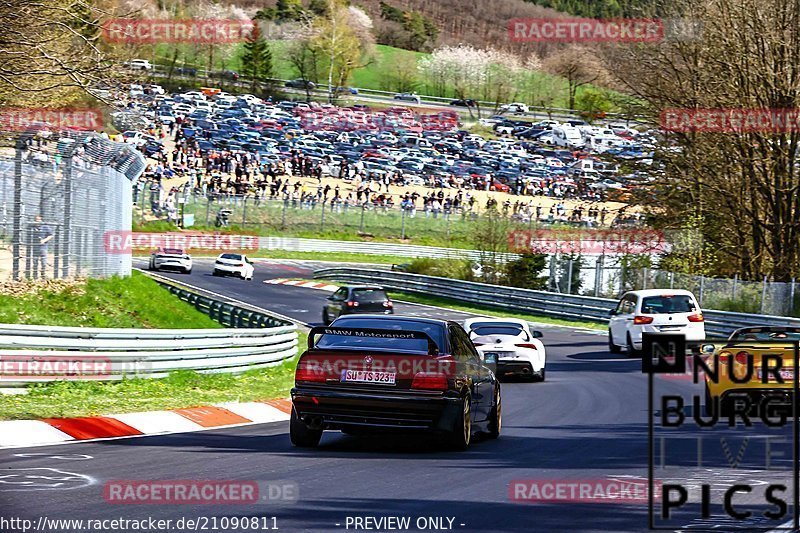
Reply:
x=370, y=333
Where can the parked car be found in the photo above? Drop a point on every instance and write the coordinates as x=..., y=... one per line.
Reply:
x=300, y=83
x=226, y=75
x=408, y=97
x=515, y=107
x=140, y=64
x=357, y=299
x=653, y=311
x=185, y=71
x=464, y=103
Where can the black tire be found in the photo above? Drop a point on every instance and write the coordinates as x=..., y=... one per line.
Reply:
x=301, y=435
x=187, y=271
x=541, y=375
x=215, y=273
x=461, y=435
x=496, y=416
x=151, y=265
x=632, y=352
x=325, y=318
x=613, y=348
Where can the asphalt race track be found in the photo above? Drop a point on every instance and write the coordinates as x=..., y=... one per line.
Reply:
x=588, y=421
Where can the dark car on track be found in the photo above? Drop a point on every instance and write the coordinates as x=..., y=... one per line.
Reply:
x=379, y=373
x=357, y=299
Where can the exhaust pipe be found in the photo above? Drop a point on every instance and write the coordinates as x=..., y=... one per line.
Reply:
x=526, y=370
x=313, y=422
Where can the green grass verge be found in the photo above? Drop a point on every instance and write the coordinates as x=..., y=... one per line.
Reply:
x=129, y=302
x=489, y=311
x=135, y=302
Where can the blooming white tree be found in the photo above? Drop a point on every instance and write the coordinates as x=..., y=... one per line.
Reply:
x=471, y=72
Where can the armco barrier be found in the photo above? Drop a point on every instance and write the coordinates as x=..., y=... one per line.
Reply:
x=253, y=339
x=571, y=307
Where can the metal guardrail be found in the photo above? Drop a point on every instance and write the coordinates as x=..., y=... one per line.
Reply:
x=566, y=306
x=229, y=315
x=36, y=354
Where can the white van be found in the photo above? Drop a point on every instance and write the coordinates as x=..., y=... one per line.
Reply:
x=603, y=143
x=653, y=311
x=567, y=136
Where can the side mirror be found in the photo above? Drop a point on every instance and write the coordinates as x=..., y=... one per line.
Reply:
x=537, y=334
x=707, y=349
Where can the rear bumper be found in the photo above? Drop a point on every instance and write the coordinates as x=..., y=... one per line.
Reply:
x=336, y=409
x=172, y=263
x=778, y=398
x=517, y=368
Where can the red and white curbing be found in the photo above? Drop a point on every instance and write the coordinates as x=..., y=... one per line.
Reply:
x=27, y=433
x=302, y=283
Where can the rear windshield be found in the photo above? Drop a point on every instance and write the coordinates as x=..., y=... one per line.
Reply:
x=476, y=325
x=369, y=295
x=656, y=305
x=172, y=251
x=497, y=330
x=235, y=257
x=420, y=346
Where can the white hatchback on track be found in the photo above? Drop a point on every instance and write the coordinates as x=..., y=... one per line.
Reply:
x=653, y=311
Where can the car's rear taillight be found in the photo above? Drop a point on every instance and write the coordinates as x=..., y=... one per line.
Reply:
x=529, y=346
x=742, y=357
x=388, y=304
x=238, y=264
x=309, y=372
x=430, y=381
x=697, y=317
x=642, y=319
x=352, y=304
x=477, y=343
x=724, y=356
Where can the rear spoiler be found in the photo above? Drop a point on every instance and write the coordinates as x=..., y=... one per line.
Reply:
x=370, y=332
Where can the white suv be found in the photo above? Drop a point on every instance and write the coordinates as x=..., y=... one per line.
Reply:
x=140, y=64
x=653, y=311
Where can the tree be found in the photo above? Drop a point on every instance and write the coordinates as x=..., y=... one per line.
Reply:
x=742, y=185
x=569, y=273
x=593, y=102
x=490, y=237
x=257, y=62
x=578, y=66
x=286, y=10
x=341, y=43
x=526, y=272
x=49, y=52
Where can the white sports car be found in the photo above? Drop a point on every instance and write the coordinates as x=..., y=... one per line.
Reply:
x=518, y=349
x=233, y=265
